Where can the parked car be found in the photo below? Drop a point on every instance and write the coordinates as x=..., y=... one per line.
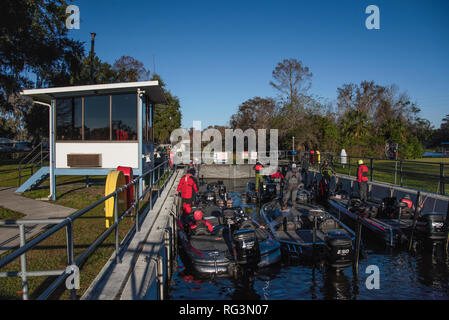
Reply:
x=22, y=146
x=6, y=145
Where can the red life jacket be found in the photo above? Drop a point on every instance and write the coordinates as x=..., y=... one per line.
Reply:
x=408, y=202
x=362, y=173
x=202, y=224
x=277, y=175
x=186, y=186
x=187, y=208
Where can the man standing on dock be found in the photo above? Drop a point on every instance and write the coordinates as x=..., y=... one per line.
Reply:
x=188, y=187
x=259, y=179
x=293, y=179
x=362, y=180
x=327, y=173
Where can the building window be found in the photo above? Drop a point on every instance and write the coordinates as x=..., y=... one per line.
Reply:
x=97, y=118
x=69, y=119
x=124, y=117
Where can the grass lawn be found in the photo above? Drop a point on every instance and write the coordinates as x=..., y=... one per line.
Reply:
x=51, y=254
x=6, y=214
x=9, y=174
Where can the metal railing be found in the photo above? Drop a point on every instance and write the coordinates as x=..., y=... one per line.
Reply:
x=424, y=175
x=72, y=263
x=35, y=158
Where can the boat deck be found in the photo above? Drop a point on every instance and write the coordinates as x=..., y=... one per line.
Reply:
x=302, y=236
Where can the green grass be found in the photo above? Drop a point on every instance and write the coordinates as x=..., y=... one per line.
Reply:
x=9, y=174
x=6, y=214
x=51, y=254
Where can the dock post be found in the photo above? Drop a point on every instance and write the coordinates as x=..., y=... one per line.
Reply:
x=357, y=244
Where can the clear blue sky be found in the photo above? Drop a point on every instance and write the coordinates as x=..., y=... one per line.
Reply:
x=216, y=54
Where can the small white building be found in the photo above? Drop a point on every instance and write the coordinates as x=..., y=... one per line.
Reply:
x=96, y=128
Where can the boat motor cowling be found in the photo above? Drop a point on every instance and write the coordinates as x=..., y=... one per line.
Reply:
x=431, y=226
x=209, y=196
x=339, y=250
x=246, y=247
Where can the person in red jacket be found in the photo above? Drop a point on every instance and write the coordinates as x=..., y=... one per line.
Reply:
x=362, y=180
x=200, y=223
x=278, y=177
x=187, y=186
x=410, y=207
x=259, y=178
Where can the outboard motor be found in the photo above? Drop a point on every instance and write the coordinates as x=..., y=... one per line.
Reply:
x=339, y=251
x=229, y=217
x=246, y=248
x=431, y=226
x=209, y=196
x=388, y=207
x=303, y=196
x=269, y=191
x=221, y=189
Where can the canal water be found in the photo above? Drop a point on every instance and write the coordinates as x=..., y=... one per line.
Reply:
x=402, y=276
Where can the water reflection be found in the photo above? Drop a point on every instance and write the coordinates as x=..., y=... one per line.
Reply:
x=432, y=267
x=420, y=275
x=336, y=286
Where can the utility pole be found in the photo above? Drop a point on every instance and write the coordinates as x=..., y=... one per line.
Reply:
x=92, y=53
x=293, y=149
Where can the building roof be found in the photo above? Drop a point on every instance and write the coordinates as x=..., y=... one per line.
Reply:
x=152, y=89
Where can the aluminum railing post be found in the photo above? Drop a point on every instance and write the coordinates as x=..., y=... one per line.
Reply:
x=137, y=206
x=158, y=181
x=70, y=253
x=116, y=199
x=23, y=264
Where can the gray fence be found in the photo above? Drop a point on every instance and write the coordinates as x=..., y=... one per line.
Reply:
x=424, y=175
x=377, y=191
x=157, y=178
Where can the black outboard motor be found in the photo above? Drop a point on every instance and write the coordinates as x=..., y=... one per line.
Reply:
x=269, y=191
x=229, y=217
x=246, y=248
x=221, y=189
x=209, y=196
x=339, y=250
x=431, y=226
x=388, y=207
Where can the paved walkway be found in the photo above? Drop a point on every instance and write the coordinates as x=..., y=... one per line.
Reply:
x=33, y=209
